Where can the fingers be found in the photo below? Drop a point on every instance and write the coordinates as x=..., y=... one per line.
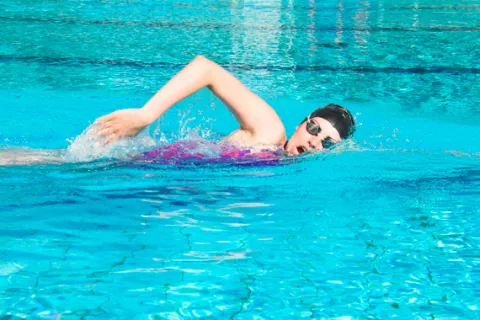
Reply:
x=110, y=138
x=108, y=133
x=105, y=130
x=106, y=118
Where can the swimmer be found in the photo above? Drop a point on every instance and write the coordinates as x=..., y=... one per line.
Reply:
x=260, y=126
x=261, y=129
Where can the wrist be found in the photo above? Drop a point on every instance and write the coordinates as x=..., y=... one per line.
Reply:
x=146, y=117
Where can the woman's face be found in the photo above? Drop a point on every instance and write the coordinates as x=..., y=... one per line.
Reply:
x=302, y=141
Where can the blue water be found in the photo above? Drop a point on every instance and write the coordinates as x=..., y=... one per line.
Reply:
x=386, y=226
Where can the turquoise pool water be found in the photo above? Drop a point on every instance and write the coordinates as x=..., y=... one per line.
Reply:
x=386, y=227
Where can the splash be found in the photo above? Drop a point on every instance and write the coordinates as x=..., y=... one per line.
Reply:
x=88, y=146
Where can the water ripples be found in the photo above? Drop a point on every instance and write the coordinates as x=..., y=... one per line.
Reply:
x=422, y=57
x=259, y=249
x=385, y=227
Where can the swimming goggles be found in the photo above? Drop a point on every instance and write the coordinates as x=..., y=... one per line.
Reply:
x=314, y=129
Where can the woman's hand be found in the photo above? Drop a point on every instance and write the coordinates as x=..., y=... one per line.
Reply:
x=121, y=123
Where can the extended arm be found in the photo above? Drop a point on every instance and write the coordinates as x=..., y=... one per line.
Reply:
x=256, y=118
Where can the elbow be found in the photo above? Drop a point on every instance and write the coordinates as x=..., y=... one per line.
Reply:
x=207, y=68
x=201, y=59
x=203, y=63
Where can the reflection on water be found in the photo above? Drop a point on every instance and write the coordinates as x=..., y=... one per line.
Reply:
x=374, y=240
x=384, y=226
x=361, y=32
x=420, y=56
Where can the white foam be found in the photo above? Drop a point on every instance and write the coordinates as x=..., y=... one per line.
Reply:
x=88, y=146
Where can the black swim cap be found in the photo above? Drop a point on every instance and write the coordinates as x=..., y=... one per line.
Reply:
x=340, y=118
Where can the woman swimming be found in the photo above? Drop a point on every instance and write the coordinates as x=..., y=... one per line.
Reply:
x=260, y=126
x=261, y=133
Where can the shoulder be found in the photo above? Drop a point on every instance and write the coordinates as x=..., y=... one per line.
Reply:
x=271, y=134
x=245, y=139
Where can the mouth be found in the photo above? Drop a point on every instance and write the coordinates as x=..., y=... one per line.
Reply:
x=301, y=150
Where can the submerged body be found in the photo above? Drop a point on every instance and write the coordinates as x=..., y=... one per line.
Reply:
x=194, y=152
x=184, y=152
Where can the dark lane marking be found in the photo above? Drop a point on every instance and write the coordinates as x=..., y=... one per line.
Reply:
x=62, y=61
x=184, y=25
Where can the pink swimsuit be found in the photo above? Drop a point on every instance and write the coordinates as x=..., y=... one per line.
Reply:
x=189, y=151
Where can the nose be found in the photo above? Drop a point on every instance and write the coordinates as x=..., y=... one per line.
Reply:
x=315, y=144
x=316, y=141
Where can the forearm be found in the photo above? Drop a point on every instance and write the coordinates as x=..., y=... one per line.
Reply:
x=195, y=76
x=254, y=115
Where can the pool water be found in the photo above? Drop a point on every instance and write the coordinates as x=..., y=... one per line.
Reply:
x=384, y=226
